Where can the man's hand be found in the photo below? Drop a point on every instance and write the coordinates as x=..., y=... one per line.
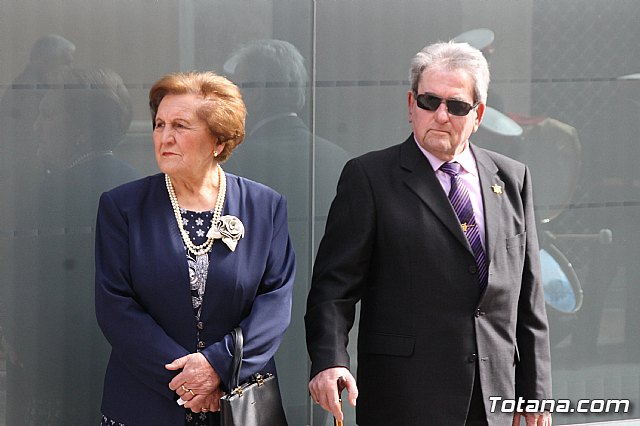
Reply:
x=533, y=419
x=324, y=389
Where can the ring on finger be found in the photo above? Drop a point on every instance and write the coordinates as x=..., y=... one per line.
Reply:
x=184, y=389
x=191, y=392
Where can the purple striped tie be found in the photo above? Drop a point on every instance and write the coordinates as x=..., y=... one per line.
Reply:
x=459, y=197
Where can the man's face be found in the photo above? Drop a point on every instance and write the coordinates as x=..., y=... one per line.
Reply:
x=440, y=133
x=253, y=92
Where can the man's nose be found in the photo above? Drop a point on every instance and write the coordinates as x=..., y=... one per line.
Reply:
x=442, y=114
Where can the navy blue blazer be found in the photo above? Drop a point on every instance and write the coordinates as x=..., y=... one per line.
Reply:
x=143, y=298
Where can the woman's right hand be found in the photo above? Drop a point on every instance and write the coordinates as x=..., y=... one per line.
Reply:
x=198, y=384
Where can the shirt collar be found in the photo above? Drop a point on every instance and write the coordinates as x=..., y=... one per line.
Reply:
x=465, y=159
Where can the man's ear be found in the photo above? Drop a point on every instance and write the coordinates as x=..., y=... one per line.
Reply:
x=479, y=114
x=410, y=103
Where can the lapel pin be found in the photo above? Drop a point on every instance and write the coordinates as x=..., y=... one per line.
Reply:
x=496, y=188
x=465, y=226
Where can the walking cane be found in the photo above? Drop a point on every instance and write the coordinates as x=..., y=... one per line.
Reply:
x=341, y=385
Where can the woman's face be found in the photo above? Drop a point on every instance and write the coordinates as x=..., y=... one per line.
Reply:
x=184, y=146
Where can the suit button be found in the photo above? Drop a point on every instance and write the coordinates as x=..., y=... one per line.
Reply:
x=479, y=313
x=201, y=345
x=473, y=269
x=200, y=325
x=472, y=358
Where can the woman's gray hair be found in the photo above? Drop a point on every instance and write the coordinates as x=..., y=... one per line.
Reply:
x=453, y=56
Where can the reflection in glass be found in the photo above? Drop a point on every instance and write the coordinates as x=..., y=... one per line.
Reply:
x=58, y=355
x=278, y=151
x=561, y=288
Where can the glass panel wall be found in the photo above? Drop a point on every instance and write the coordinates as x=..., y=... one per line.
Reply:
x=324, y=81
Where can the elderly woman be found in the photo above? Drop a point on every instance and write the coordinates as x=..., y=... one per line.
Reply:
x=183, y=257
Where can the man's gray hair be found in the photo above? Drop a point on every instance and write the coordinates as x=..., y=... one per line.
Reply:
x=453, y=56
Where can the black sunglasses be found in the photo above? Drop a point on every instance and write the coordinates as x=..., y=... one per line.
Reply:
x=431, y=103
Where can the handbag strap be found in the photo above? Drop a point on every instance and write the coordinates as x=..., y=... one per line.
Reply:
x=237, y=357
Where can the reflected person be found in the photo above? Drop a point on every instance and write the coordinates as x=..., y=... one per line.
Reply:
x=20, y=170
x=185, y=256
x=437, y=239
x=56, y=375
x=273, y=80
x=278, y=151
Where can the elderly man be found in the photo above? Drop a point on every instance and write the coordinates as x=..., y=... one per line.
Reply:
x=437, y=239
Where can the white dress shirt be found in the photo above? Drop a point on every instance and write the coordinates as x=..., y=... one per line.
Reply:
x=469, y=175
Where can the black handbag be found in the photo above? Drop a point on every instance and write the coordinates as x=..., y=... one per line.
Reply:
x=256, y=402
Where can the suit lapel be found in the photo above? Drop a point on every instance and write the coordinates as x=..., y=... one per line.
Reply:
x=220, y=250
x=491, y=187
x=423, y=182
x=169, y=245
x=168, y=219
x=223, y=263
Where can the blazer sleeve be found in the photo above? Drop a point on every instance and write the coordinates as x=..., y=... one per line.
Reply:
x=270, y=314
x=136, y=338
x=340, y=270
x=533, y=370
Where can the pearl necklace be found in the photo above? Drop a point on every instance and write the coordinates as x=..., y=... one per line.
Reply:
x=205, y=247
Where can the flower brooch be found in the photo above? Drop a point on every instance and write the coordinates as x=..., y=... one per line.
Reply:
x=228, y=228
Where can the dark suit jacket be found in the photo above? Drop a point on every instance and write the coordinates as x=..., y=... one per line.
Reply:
x=143, y=299
x=393, y=241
